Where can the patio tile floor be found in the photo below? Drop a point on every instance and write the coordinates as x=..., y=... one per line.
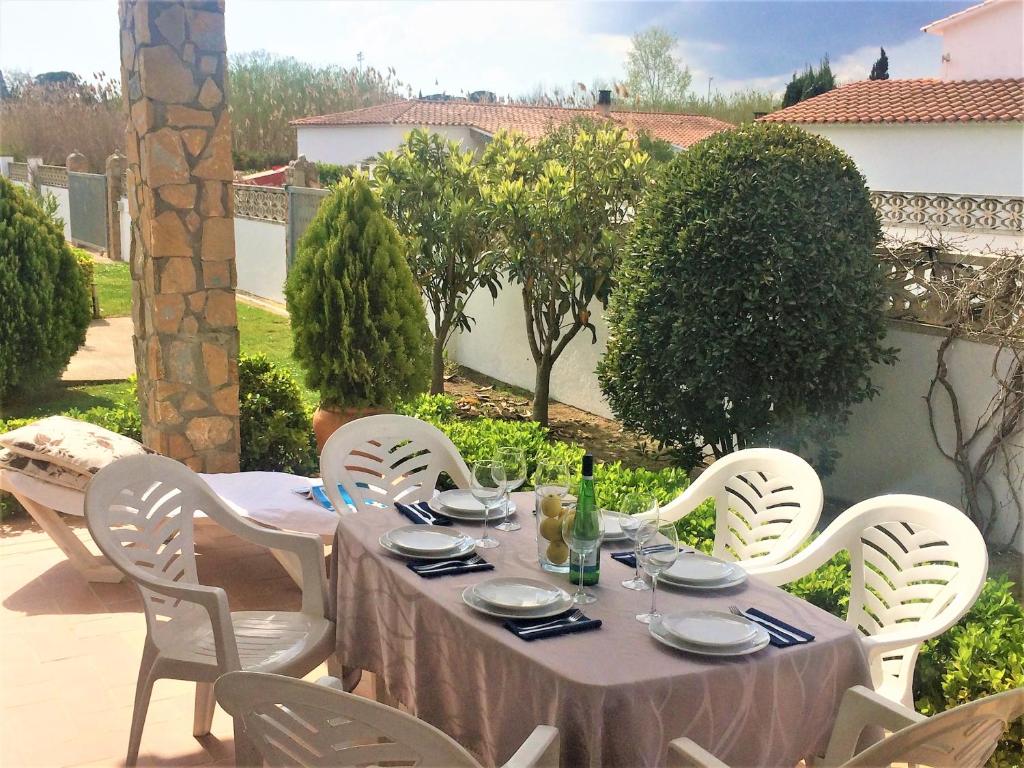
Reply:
x=69, y=654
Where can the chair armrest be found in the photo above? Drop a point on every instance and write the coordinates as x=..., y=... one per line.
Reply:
x=540, y=750
x=808, y=560
x=308, y=547
x=684, y=753
x=861, y=708
x=213, y=599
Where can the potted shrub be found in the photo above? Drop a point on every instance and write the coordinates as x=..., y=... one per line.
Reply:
x=357, y=318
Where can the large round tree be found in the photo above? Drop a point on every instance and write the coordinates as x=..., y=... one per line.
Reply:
x=749, y=307
x=44, y=300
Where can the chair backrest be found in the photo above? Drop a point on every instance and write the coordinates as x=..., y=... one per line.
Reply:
x=387, y=458
x=296, y=723
x=140, y=512
x=767, y=503
x=912, y=559
x=962, y=737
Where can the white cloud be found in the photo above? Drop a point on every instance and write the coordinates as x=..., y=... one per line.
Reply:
x=916, y=57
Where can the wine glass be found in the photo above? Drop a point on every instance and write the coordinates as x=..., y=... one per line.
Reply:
x=514, y=462
x=583, y=534
x=636, y=509
x=657, y=550
x=487, y=483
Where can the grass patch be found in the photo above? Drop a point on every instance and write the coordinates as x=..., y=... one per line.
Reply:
x=113, y=289
x=60, y=398
x=264, y=332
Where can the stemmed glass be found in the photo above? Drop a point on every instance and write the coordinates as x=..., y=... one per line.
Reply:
x=514, y=462
x=657, y=549
x=633, y=506
x=583, y=535
x=488, y=487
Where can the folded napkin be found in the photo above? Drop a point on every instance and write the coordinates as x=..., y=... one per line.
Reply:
x=629, y=558
x=782, y=634
x=421, y=514
x=319, y=495
x=564, y=624
x=430, y=569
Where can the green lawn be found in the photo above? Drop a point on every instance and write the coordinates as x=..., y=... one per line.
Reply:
x=259, y=331
x=114, y=289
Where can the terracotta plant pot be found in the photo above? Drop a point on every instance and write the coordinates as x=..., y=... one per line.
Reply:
x=327, y=420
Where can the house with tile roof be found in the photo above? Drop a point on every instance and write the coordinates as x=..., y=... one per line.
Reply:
x=946, y=152
x=352, y=137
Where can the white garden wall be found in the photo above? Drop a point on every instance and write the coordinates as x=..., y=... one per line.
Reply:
x=260, y=257
x=63, y=205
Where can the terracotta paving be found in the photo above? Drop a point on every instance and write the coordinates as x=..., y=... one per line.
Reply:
x=69, y=655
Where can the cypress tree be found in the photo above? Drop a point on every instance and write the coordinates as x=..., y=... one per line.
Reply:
x=358, y=321
x=880, y=69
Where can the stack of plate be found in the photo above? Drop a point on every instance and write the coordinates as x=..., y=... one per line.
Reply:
x=427, y=542
x=698, y=571
x=710, y=633
x=613, y=525
x=517, y=598
x=462, y=505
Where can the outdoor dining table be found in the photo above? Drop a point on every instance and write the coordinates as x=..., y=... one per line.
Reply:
x=616, y=695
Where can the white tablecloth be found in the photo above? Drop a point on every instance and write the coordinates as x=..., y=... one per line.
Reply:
x=266, y=497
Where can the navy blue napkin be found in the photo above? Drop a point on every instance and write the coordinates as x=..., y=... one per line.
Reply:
x=430, y=569
x=536, y=629
x=790, y=636
x=420, y=513
x=629, y=558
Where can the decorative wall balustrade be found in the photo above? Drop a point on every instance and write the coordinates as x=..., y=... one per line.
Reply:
x=933, y=287
x=264, y=203
x=19, y=172
x=942, y=211
x=53, y=175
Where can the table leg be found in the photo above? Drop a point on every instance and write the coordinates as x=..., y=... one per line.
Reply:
x=92, y=567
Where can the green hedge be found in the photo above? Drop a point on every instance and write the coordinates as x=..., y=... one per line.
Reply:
x=980, y=655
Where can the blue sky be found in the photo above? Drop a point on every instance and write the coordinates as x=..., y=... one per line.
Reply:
x=510, y=47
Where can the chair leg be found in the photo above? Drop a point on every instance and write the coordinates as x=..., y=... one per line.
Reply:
x=246, y=755
x=205, y=704
x=143, y=691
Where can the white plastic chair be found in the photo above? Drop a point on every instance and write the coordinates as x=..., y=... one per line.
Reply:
x=295, y=723
x=917, y=565
x=767, y=503
x=387, y=458
x=140, y=513
x=963, y=737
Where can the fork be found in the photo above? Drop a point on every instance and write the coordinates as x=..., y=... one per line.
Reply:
x=443, y=564
x=735, y=609
x=573, y=618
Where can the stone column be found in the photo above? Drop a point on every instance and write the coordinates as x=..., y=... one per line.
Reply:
x=34, y=176
x=115, y=174
x=302, y=173
x=178, y=141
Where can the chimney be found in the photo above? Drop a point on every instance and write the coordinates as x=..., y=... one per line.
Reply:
x=604, y=103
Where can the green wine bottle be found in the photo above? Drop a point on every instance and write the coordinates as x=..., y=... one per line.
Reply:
x=586, y=522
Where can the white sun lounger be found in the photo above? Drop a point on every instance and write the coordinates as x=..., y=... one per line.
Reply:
x=268, y=498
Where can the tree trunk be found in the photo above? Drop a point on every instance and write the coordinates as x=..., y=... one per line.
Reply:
x=437, y=367
x=541, y=387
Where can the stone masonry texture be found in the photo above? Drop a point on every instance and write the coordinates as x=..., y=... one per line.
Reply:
x=179, y=173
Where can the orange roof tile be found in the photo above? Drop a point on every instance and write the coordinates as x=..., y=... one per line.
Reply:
x=911, y=101
x=678, y=129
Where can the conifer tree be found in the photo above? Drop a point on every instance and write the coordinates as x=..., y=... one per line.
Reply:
x=357, y=316
x=880, y=69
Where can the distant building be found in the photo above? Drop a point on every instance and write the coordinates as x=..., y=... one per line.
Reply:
x=350, y=137
x=943, y=153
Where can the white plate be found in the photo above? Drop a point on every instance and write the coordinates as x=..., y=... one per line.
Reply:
x=497, y=513
x=423, y=540
x=466, y=548
x=737, y=580
x=699, y=569
x=716, y=629
x=659, y=633
x=612, y=527
x=469, y=598
x=460, y=500
x=513, y=594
